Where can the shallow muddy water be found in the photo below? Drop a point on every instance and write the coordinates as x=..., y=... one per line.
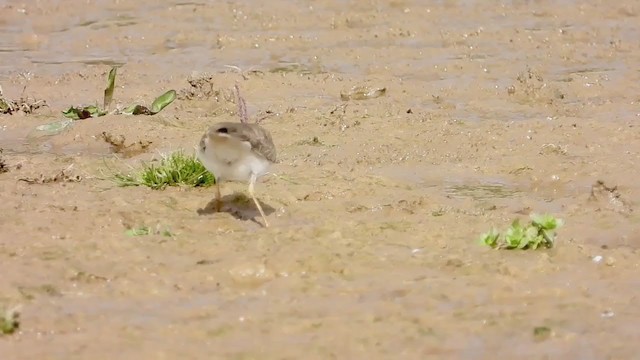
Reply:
x=491, y=111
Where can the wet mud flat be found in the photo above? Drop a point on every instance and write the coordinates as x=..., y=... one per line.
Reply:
x=405, y=129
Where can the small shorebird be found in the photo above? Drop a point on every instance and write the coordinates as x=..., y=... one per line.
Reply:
x=237, y=152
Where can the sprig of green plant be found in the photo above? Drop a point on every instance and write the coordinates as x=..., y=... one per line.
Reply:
x=85, y=112
x=158, y=104
x=540, y=232
x=173, y=170
x=9, y=321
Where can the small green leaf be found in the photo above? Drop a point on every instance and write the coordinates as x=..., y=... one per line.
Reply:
x=5, y=108
x=514, y=236
x=548, y=238
x=55, y=127
x=108, y=92
x=136, y=110
x=523, y=243
x=77, y=113
x=530, y=237
x=144, y=230
x=490, y=238
x=546, y=221
x=167, y=233
x=94, y=111
x=162, y=101
x=129, y=109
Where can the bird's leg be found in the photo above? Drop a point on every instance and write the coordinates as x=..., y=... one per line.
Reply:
x=218, y=197
x=252, y=182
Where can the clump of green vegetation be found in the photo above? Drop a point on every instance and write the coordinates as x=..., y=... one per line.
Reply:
x=173, y=170
x=9, y=321
x=539, y=233
x=85, y=112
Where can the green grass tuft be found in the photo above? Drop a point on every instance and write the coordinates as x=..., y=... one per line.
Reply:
x=173, y=170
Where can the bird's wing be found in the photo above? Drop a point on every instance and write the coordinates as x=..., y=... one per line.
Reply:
x=259, y=138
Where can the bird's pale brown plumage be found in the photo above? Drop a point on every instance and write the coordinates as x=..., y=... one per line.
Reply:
x=260, y=139
x=237, y=152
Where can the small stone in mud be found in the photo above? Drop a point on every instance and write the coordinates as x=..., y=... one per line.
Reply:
x=607, y=314
x=116, y=141
x=547, y=149
x=362, y=92
x=610, y=261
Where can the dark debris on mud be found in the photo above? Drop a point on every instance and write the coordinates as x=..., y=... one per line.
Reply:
x=117, y=143
x=24, y=105
x=609, y=197
x=201, y=87
x=3, y=164
x=61, y=177
x=531, y=87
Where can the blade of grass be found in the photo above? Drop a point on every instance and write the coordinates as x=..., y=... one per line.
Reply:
x=108, y=92
x=242, y=106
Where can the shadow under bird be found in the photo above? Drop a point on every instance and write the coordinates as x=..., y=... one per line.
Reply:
x=237, y=152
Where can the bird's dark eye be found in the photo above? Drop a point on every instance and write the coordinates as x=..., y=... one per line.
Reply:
x=223, y=130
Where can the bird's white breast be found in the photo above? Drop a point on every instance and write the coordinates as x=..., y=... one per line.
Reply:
x=233, y=163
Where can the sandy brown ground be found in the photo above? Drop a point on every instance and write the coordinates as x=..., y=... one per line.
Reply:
x=492, y=110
